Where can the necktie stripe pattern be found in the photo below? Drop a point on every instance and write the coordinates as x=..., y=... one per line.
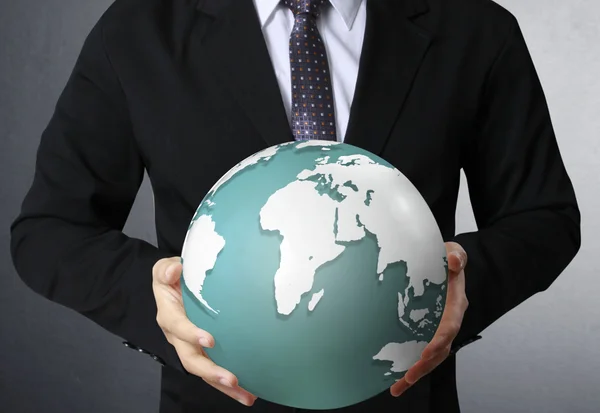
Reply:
x=313, y=114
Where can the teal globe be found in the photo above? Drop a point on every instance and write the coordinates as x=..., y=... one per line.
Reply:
x=320, y=271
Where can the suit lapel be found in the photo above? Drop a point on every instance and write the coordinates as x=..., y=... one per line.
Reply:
x=233, y=46
x=393, y=49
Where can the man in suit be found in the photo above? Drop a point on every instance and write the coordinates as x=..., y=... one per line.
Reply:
x=185, y=89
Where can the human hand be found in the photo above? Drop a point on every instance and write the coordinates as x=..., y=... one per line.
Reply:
x=456, y=305
x=189, y=341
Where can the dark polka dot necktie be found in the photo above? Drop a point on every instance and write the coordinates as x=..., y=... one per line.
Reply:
x=313, y=115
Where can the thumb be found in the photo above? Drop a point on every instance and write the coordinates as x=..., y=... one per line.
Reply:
x=457, y=257
x=173, y=273
x=167, y=271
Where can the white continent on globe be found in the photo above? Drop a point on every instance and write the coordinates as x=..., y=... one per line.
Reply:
x=210, y=239
x=210, y=243
x=396, y=354
x=316, y=297
x=365, y=187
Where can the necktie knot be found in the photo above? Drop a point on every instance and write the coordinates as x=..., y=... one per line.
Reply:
x=310, y=7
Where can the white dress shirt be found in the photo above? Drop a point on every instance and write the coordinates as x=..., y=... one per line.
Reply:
x=342, y=27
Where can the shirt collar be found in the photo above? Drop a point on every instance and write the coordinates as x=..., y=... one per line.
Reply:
x=347, y=10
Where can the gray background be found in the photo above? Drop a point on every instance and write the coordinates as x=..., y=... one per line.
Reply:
x=542, y=357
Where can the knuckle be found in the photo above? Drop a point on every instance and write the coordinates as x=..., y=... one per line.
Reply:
x=189, y=367
x=187, y=359
x=169, y=338
x=206, y=375
x=453, y=328
x=211, y=378
x=162, y=323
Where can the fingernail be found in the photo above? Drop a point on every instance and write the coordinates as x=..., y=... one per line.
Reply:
x=204, y=342
x=225, y=382
x=245, y=401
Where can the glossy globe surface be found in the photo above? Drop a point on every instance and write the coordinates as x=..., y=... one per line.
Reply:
x=320, y=271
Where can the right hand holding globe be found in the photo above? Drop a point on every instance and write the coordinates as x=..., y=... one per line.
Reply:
x=456, y=304
x=187, y=339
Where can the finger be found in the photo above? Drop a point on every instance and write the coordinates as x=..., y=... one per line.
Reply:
x=167, y=271
x=172, y=293
x=242, y=396
x=438, y=345
x=173, y=320
x=197, y=363
x=443, y=338
x=423, y=367
x=399, y=387
x=456, y=305
x=419, y=370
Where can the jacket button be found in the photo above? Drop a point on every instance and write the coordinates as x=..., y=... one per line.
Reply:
x=158, y=359
x=141, y=350
x=134, y=347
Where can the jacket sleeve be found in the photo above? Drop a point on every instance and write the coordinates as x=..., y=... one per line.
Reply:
x=67, y=242
x=523, y=200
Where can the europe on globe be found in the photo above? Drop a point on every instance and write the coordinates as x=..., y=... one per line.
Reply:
x=320, y=271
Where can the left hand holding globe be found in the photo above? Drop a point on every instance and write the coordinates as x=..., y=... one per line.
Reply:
x=456, y=304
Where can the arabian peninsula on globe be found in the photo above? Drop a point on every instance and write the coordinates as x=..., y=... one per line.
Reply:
x=320, y=271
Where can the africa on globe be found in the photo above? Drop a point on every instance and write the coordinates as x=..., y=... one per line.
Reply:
x=320, y=271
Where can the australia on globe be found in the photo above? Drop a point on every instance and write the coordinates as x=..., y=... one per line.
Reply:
x=320, y=271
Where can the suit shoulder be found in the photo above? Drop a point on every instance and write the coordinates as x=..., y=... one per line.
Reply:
x=137, y=14
x=127, y=9
x=480, y=12
x=121, y=11
x=128, y=25
x=476, y=22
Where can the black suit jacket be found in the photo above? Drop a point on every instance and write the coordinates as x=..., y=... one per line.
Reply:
x=185, y=89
